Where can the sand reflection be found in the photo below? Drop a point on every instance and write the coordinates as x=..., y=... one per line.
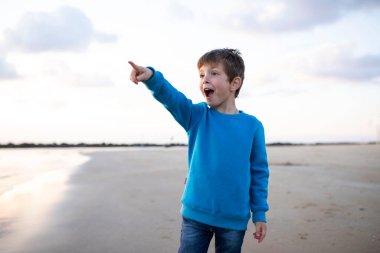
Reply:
x=32, y=181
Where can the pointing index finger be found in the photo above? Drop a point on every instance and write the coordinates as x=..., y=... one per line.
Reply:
x=134, y=66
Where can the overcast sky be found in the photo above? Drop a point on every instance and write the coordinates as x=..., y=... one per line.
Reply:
x=312, y=67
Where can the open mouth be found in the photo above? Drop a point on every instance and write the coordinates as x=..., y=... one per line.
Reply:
x=208, y=91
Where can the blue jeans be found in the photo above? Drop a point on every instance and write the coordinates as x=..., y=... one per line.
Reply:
x=196, y=237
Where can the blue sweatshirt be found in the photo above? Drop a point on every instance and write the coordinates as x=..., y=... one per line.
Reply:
x=228, y=170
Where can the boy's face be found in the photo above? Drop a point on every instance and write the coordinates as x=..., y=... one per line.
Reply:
x=215, y=86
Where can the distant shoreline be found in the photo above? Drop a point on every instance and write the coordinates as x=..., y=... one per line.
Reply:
x=166, y=145
x=86, y=145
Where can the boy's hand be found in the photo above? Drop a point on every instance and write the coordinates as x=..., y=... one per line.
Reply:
x=261, y=231
x=139, y=73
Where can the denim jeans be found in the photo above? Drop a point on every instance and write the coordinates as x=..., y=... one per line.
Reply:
x=196, y=237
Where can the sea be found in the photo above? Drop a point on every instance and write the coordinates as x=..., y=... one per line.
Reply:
x=32, y=180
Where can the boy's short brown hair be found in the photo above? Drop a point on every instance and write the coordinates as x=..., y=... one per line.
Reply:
x=230, y=58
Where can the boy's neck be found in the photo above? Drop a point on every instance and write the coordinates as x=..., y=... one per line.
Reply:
x=227, y=109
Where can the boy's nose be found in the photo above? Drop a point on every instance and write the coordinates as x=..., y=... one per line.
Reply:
x=206, y=79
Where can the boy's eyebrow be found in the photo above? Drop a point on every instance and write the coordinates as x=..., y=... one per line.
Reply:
x=212, y=67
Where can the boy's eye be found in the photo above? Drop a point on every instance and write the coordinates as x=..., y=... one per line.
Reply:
x=214, y=73
x=201, y=75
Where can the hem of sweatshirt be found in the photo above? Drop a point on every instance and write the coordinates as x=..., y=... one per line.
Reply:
x=213, y=220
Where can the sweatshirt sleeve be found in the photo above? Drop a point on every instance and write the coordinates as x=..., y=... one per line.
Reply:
x=259, y=177
x=174, y=101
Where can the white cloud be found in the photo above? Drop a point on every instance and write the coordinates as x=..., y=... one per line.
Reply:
x=292, y=15
x=362, y=68
x=65, y=29
x=7, y=71
x=104, y=37
x=93, y=81
x=180, y=11
x=339, y=62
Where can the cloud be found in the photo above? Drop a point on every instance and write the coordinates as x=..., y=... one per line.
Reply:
x=90, y=81
x=64, y=74
x=65, y=29
x=7, y=71
x=180, y=11
x=292, y=15
x=362, y=68
x=341, y=63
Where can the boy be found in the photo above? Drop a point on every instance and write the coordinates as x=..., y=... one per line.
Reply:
x=227, y=163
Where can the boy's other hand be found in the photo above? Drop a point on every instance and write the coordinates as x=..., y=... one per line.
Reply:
x=139, y=73
x=261, y=231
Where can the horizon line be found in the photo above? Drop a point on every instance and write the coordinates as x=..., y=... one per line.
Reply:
x=170, y=144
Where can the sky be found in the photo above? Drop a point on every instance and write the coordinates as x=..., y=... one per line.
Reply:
x=312, y=67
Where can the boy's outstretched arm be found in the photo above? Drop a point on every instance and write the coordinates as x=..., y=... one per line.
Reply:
x=139, y=73
x=174, y=101
x=261, y=230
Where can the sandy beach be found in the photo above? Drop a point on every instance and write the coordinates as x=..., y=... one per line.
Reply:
x=322, y=199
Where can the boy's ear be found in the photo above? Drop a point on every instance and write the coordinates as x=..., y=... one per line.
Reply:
x=236, y=83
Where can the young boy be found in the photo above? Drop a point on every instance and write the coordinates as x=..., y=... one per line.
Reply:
x=228, y=171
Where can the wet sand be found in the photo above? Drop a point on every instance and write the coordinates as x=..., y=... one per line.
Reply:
x=322, y=199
